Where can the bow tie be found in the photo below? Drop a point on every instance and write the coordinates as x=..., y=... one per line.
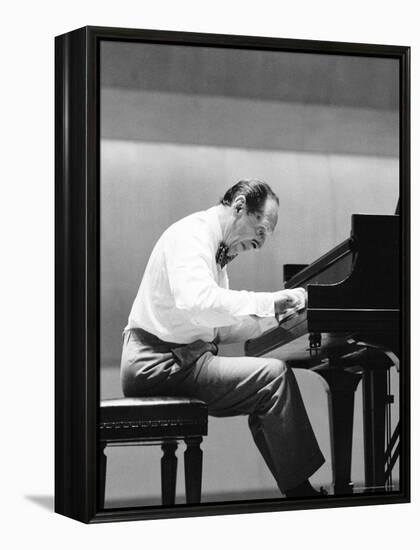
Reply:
x=222, y=256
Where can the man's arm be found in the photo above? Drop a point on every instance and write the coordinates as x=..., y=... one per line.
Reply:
x=190, y=270
x=286, y=302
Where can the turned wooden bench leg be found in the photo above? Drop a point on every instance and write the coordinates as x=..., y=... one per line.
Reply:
x=168, y=466
x=102, y=475
x=193, y=465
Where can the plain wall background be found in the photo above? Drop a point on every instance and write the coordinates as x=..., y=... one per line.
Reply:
x=180, y=125
x=27, y=274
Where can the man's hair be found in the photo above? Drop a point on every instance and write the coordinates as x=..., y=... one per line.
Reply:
x=256, y=192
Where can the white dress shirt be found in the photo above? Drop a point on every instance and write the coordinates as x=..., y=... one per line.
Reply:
x=184, y=295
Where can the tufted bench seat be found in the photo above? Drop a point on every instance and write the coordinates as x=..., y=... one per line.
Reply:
x=154, y=421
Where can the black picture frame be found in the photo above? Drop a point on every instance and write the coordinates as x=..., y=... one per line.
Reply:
x=77, y=240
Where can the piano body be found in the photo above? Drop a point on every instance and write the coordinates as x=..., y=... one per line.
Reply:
x=349, y=332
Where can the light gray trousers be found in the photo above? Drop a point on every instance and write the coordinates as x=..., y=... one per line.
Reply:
x=263, y=388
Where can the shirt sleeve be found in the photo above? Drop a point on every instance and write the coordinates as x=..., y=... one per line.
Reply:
x=190, y=266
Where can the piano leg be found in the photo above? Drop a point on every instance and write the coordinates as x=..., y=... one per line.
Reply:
x=374, y=409
x=342, y=385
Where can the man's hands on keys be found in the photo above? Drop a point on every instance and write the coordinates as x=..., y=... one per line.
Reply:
x=289, y=300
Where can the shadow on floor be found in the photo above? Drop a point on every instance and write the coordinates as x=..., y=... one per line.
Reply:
x=45, y=501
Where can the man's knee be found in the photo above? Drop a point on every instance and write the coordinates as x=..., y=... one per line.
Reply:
x=274, y=368
x=272, y=386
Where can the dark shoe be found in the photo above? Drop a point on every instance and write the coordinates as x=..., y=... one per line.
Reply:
x=305, y=489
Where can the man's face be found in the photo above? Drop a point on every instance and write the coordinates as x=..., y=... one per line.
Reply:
x=249, y=231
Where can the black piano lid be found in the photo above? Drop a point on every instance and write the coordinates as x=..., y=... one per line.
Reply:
x=353, y=289
x=320, y=264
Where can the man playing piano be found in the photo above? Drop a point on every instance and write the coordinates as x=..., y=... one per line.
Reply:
x=184, y=308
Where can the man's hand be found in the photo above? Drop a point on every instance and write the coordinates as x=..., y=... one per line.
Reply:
x=290, y=299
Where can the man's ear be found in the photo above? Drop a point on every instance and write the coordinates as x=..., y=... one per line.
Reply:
x=239, y=204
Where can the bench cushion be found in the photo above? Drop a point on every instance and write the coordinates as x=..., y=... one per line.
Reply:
x=139, y=418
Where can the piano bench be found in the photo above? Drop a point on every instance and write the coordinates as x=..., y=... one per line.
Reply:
x=157, y=421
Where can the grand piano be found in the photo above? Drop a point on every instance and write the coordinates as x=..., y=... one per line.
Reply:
x=349, y=332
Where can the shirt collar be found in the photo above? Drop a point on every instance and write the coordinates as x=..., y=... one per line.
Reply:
x=217, y=242
x=215, y=227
